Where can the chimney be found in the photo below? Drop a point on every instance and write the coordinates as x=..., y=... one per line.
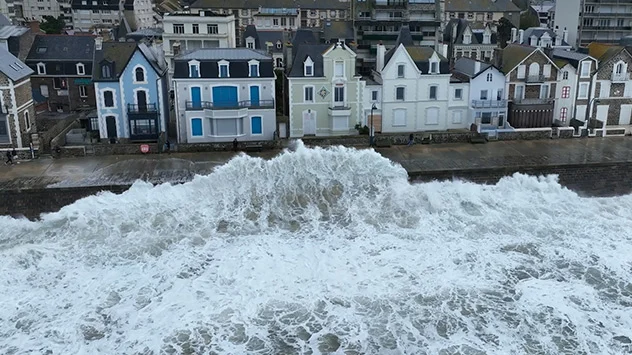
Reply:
x=454, y=31
x=558, y=36
x=477, y=67
x=98, y=43
x=379, y=60
x=498, y=57
x=520, y=36
x=565, y=35
x=289, y=57
x=533, y=41
x=514, y=35
x=444, y=50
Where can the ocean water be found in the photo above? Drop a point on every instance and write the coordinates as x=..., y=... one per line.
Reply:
x=321, y=251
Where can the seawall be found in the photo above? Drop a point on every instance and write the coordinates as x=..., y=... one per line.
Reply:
x=591, y=180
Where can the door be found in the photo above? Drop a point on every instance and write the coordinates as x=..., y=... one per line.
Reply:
x=254, y=95
x=110, y=123
x=196, y=97
x=141, y=100
x=225, y=96
x=309, y=123
x=624, y=116
x=282, y=130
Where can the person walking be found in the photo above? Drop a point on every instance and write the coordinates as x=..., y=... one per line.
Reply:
x=235, y=144
x=411, y=139
x=9, y=158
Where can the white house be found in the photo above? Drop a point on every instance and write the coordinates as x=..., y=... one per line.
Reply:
x=576, y=71
x=487, y=97
x=371, y=104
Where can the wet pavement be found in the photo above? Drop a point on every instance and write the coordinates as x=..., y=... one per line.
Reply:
x=182, y=167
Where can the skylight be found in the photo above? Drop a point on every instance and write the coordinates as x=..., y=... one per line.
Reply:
x=41, y=49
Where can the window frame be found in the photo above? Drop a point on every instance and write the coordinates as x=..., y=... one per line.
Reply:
x=194, y=64
x=83, y=88
x=401, y=71
x=433, y=89
x=41, y=69
x=83, y=69
x=305, y=94
x=105, y=101
x=566, y=92
x=403, y=92
x=460, y=95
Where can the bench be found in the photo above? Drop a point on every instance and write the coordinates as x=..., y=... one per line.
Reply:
x=253, y=147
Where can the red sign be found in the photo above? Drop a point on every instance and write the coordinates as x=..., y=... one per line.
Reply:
x=144, y=148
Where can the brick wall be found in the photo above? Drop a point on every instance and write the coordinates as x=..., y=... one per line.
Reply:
x=70, y=102
x=22, y=94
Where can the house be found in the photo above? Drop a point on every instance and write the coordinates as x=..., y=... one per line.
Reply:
x=131, y=85
x=576, y=84
x=541, y=37
x=270, y=42
x=371, y=104
x=613, y=88
x=222, y=94
x=487, y=105
x=464, y=39
x=531, y=84
x=324, y=91
x=17, y=113
x=415, y=87
x=483, y=11
x=63, y=71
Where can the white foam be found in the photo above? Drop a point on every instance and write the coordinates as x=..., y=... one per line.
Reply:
x=321, y=250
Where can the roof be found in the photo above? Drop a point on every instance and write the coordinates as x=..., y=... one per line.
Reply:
x=539, y=32
x=513, y=54
x=305, y=36
x=480, y=6
x=315, y=53
x=271, y=37
x=338, y=29
x=146, y=32
x=251, y=31
x=7, y=31
x=404, y=37
x=461, y=25
x=12, y=67
x=467, y=66
x=224, y=54
x=62, y=47
x=4, y=21
x=562, y=57
x=288, y=4
x=602, y=51
x=120, y=54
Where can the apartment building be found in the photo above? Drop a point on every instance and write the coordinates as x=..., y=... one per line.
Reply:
x=188, y=31
x=594, y=20
x=34, y=10
x=90, y=14
x=141, y=14
x=482, y=11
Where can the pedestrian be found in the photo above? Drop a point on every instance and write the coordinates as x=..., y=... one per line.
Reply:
x=411, y=139
x=14, y=154
x=9, y=158
x=235, y=144
x=168, y=146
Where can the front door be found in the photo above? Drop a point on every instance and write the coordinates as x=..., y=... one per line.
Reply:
x=196, y=97
x=110, y=123
x=309, y=123
x=254, y=95
x=141, y=100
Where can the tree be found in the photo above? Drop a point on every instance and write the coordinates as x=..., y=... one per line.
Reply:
x=504, y=31
x=51, y=25
x=529, y=18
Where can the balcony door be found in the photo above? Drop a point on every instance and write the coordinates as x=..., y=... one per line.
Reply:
x=196, y=97
x=225, y=96
x=141, y=100
x=254, y=95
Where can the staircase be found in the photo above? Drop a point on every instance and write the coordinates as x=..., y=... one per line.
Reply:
x=89, y=149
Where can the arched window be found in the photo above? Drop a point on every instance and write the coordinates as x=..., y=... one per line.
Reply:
x=27, y=120
x=534, y=69
x=139, y=75
x=106, y=72
x=619, y=68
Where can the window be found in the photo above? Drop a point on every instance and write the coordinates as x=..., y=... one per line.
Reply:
x=544, y=91
x=546, y=71
x=275, y=21
x=400, y=70
x=434, y=67
x=458, y=94
x=194, y=69
x=583, y=91
x=563, y=114
x=519, y=93
x=27, y=120
x=60, y=83
x=41, y=68
x=486, y=118
x=308, y=94
x=470, y=15
x=467, y=39
x=566, y=92
x=399, y=117
x=487, y=38
x=339, y=95
x=81, y=69
x=83, y=91
x=490, y=77
x=619, y=68
x=585, y=70
x=432, y=115
x=108, y=99
x=250, y=43
x=399, y=94
x=283, y=21
x=292, y=22
x=432, y=93
x=223, y=71
x=139, y=75
x=499, y=94
x=44, y=90
x=279, y=45
x=279, y=62
x=484, y=95
x=212, y=29
x=178, y=28
x=196, y=127
x=106, y=72
x=308, y=67
x=195, y=28
x=521, y=71
x=374, y=95
x=457, y=117
x=565, y=75
x=256, y=126
x=254, y=70
x=339, y=69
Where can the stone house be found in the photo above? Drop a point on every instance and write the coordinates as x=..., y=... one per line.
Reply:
x=531, y=84
x=17, y=113
x=465, y=39
x=613, y=88
x=63, y=71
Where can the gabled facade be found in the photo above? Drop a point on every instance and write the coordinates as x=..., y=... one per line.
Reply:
x=531, y=84
x=222, y=94
x=17, y=113
x=487, y=99
x=62, y=66
x=325, y=94
x=465, y=40
x=613, y=85
x=131, y=85
x=541, y=37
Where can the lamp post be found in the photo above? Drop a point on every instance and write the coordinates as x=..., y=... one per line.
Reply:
x=371, y=132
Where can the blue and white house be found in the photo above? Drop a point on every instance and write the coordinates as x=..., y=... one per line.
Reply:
x=224, y=93
x=130, y=82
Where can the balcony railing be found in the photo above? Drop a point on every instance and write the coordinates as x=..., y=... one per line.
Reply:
x=218, y=105
x=147, y=108
x=488, y=103
x=538, y=78
x=620, y=77
x=533, y=101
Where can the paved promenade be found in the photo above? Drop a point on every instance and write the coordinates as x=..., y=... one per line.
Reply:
x=181, y=167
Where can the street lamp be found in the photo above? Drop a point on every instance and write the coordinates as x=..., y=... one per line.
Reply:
x=371, y=132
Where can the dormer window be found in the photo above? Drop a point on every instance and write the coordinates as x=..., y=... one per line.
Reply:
x=194, y=69
x=279, y=45
x=139, y=75
x=254, y=68
x=434, y=68
x=81, y=69
x=250, y=43
x=106, y=70
x=487, y=38
x=467, y=38
x=223, y=69
x=619, y=68
x=41, y=68
x=308, y=67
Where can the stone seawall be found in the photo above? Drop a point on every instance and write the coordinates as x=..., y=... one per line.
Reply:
x=598, y=179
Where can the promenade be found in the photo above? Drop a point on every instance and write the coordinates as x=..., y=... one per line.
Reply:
x=181, y=167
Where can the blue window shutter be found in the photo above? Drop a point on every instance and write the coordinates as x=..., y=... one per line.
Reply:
x=196, y=127
x=256, y=125
x=225, y=96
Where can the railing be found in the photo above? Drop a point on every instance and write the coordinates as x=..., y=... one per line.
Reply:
x=230, y=105
x=340, y=106
x=533, y=101
x=147, y=108
x=538, y=78
x=488, y=103
x=620, y=77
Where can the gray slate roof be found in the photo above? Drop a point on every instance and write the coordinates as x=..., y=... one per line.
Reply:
x=4, y=21
x=224, y=53
x=313, y=51
x=7, y=31
x=287, y=4
x=62, y=47
x=333, y=30
x=272, y=37
x=120, y=54
x=539, y=32
x=480, y=6
x=12, y=67
x=467, y=66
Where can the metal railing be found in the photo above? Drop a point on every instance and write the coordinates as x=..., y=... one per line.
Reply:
x=228, y=105
x=488, y=103
x=533, y=101
x=146, y=108
x=538, y=78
